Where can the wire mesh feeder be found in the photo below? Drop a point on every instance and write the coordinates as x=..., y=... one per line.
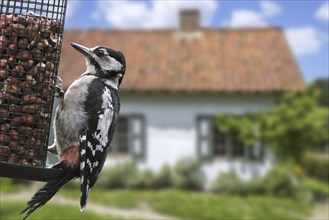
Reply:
x=30, y=46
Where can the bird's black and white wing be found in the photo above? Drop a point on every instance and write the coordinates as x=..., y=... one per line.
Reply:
x=97, y=135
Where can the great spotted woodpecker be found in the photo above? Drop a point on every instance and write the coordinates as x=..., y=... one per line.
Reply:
x=84, y=123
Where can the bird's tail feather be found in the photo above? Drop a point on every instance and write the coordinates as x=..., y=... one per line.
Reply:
x=84, y=186
x=84, y=196
x=44, y=194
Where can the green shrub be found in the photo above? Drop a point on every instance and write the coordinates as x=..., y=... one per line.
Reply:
x=280, y=181
x=141, y=180
x=163, y=179
x=187, y=174
x=320, y=190
x=117, y=176
x=255, y=186
x=228, y=183
x=317, y=165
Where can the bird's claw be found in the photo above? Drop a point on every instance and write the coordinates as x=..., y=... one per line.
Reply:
x=59, y=92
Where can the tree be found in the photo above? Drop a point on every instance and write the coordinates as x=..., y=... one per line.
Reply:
x=295, y=124
x=245, y=127
x=291, y=127
x=323, y=85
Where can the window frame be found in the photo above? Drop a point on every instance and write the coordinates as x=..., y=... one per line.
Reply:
x=132, y=136
x=141, y=137
x=247, y=154
x=208, y=138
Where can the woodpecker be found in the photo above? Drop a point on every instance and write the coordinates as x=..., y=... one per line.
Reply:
x=84, y=123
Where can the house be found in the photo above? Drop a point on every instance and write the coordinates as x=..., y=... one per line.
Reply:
x=178, y=79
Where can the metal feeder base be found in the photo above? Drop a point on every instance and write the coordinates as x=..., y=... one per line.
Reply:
x=33, y=173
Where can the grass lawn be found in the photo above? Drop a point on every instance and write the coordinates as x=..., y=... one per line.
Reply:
x=200, y=205
x=7, y=185
x=225, y=207
x=11, y=210
x=168, y=202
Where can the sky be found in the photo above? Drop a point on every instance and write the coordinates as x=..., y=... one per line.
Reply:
x=305, y=23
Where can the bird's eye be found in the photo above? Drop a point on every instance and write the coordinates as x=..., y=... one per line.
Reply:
x=99, y=53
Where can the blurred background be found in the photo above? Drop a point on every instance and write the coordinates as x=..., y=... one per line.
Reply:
x=224, y=104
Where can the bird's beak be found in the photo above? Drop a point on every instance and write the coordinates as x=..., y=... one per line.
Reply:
x=82, y=49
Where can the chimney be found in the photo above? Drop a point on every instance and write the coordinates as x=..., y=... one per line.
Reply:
x=189, y=20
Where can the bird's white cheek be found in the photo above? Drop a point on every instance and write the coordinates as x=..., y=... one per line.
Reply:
x=115, y=65
x=90, y=67
x=109, y=63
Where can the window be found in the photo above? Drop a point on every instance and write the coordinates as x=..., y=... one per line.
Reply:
x=137, y=136
x=227, y=145
x=120, y=139
x=204, y=137
x=238, y=147
x=220, y=143
x=214, y=143
x=130, y=135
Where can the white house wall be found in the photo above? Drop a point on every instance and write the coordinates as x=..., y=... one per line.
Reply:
x=179, y=111
x=171, y=126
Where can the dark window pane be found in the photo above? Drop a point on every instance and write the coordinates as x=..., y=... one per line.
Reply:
x=227, y=144
x=220, y=140
x=238, y=147
x=120, y=140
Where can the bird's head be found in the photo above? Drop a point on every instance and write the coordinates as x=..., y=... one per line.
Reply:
x=104, y=62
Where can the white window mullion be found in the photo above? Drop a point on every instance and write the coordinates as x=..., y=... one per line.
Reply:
x=137, y=136
x=204, y=128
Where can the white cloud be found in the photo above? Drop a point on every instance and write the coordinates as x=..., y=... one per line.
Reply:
x=154, y=14
x=250, y=18
x=323, y=12
x=245, y=18
x=270, y=9
x=302, y=40
x=305, y=40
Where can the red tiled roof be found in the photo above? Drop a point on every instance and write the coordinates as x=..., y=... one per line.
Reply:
x=219, y=60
